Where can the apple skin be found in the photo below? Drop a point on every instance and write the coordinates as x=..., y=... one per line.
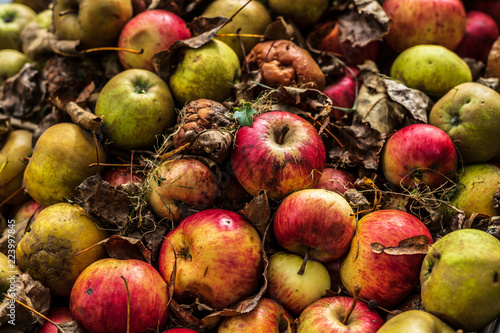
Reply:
x=260, y=162
x=303, y=13
x=415, y=321
x=121, y=176
x=470, y=115
x=342, y=92
x=184, y=181
x=100, y=293
x=336, y=180
x=419, y=153
x=477, y=184
x=219, y=258
x=491, y=7
x=58, y=315
x=385, y=278
x=152, y=31
x=480, y=34
x=315, y=220
x=267, y=317
x=291, y=289
x=95, y=24
x=11, y=62
x=13, y=18
x=415, y=22
x=327, y=314
x=460, y=279
x=136, y=106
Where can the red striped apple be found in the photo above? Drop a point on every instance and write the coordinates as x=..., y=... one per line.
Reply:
x=280, y=153
x=336, y=180
x=342, y=92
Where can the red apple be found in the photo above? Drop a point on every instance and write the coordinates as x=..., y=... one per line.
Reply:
x=218, y=256
x=327, y=315
x=121, y=176
x=480, y=34
x=336, y=180
x=491, y=7
x=267, y=317
x=352, y=55
x=343, y=92
x=152, y=31
x=59, y=314
x=385, y=278
x=280, y=153
x=316, y=221
x=180, y=330
x=114, y=295
x=419, y=153
x=415, y=22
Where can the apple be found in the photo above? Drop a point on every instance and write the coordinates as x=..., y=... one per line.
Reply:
x=13, y=18
x=151, y=31
x=352, y=55
x=59, y=315
x=137, y=107
x=329, y=314
x=303, y=13
x=415, y=321
x=114, y=295
x=419, y=153
x=181, y=184
x=342, y=92
x=480, y=34
x=336, y=180
x=460, y=279
x=414, y=22
x=433, y=69
x=11, y=62
x=44, y=19
x=117, y=176
x=253, y=19
x=94, y=24
x=280, y=153
x=470, y=114
x=180, y=330
x=384, y=278
x=295, y=286
x=318, y=222
x=268, y=316
x=491, y=7
x=207, y=72
x=477, y=184
x=218, y=258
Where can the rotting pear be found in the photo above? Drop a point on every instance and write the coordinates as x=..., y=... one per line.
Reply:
x=415, y=321
x=48, y=252
x=60, y=162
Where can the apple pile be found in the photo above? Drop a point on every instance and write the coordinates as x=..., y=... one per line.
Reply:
x=250, y=166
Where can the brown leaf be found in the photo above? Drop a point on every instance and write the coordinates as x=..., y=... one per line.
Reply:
x=413, y=245
x=120, y=247
x=101, y=199
x=258, y=212
x=84, y=118
x=496, y=199
x=72, y=327
x=279, y=29
x=306, y=99
x=493, y=227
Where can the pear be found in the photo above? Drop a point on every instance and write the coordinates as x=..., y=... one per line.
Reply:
x=415, y=321
x=206, y=72
x=48, y=252
x=11, y=62
x=433, y=69
x=60, y=162
x=8, y=270
x=17, y=146
x=460, y=279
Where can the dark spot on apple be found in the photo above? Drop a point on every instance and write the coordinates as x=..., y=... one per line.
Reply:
x=9, y=17
x=495, y=278
x=372, y=304
x=206, y=271
x=228, y=222
x=90, y=291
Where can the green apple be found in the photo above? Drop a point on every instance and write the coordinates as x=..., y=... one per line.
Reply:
x=252, y=19
x=136, y=106
x=94, y=23
x=206, y=72
x=303, y=13
x=460, y=279
x=44, y=19
x=293, y=290
x=477, y=184
x=11, y=62
x=13, y=18
x=60, y=162
x=470, y=114
x=48, y=251
x=433, y=69
x=415, y=321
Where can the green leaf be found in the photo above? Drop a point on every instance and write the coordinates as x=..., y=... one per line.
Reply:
x=244, y=116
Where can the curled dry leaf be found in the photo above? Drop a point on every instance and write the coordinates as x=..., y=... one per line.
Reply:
x=258, y=212
x=493, y=227
x=280, y=29
x=413, y=245
x=122, y=248
x=493, y=63
x=496, y=199
x=84, y=118
x=308, y=100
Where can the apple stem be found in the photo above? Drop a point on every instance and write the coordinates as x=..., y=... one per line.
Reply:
x=128, y=303
x=283, y=132
x=304, y=262
x=355, y=295
x=112, y=48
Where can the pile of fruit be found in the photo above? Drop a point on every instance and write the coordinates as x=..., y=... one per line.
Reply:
x=250, y=166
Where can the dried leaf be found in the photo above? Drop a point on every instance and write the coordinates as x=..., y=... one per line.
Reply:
x=84, y=118
x=496, y=199
x=279, y=29
x=365, y=21
x=258, y=212
x=72, y=327
x=120, y=247
x=493, y=227
x=356, y=199
x=306, y=99
x=413, y=245
x=214, y=142
x=101, y=199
